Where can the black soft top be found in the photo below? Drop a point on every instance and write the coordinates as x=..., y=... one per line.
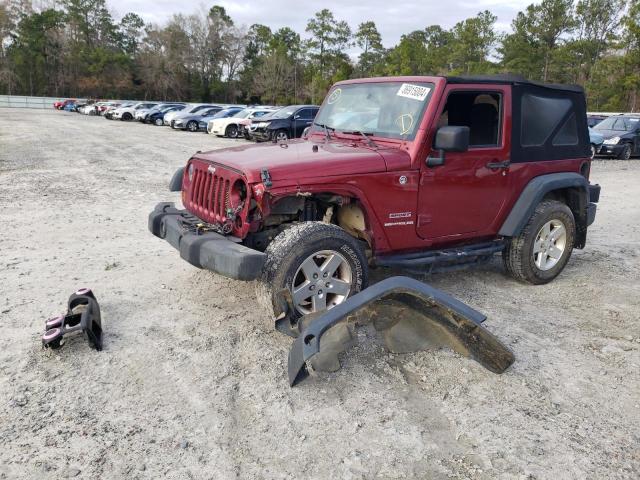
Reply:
x=512, y=79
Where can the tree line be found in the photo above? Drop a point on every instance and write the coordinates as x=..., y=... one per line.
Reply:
x=76, y=48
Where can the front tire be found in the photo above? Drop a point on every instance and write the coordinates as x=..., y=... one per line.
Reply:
x=625, y=154
x=320, y=264
x=127, y=116
x=280, y=135
x=544, y=246
x=231, y=131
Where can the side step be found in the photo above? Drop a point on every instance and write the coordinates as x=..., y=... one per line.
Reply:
x=441, y=260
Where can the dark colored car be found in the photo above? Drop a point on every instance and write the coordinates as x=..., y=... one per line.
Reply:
x=157, y=116
x=621, y=136
x=288, y=122
x=416, y=173
x=593, y=120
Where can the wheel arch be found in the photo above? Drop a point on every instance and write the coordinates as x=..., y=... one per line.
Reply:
x=568, y=187
x=351, y=211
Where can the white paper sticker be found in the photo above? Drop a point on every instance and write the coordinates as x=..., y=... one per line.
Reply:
x=415, y=92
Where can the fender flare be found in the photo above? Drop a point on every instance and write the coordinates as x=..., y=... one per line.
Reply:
x=431, y=319
x=175, y=184
x=535, y=191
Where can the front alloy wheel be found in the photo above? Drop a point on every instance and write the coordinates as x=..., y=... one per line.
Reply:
x=625, y=154
x=192, y=126
x=232, y=131
x=322, y=281
x=320, y=264
x=281, y=136
x=158, y=122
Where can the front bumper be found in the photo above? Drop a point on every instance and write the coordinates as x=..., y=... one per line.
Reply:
x=261, y=134
x=614, y=150
x=210, y=250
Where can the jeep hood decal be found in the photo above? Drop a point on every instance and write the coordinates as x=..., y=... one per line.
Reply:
x=302, y=159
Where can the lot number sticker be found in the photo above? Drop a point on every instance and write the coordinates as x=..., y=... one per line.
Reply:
x=415, y=92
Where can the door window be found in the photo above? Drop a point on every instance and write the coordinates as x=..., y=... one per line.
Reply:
x=480, y=111
x=305, y=114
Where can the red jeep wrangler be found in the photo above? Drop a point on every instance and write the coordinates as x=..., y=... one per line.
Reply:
x=413, y=173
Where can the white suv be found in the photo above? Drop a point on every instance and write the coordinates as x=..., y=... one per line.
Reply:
x=230, y=127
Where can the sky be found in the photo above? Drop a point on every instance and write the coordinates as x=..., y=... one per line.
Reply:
x=393, y=18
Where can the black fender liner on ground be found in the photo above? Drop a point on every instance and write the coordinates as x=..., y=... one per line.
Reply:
x=412, y=315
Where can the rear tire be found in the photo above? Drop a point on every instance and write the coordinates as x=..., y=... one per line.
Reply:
x=625, y=154
x=544, y=246
x=302, y=259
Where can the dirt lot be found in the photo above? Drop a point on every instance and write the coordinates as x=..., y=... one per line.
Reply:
x=188, y=386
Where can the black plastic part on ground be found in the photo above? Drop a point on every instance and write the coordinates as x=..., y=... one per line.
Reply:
x=83, y=316
x=410, y=315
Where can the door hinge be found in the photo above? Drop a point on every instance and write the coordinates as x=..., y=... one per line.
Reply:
x=423, y=219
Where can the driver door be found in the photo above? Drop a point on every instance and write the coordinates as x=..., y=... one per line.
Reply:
x=464, y=196
x=302, y=119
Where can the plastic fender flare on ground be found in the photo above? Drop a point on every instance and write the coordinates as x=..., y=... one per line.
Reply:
x=413, y=315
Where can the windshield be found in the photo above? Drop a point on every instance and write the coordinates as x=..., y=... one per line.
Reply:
x=620, y=124
x=386, y=109
x=242, y=113
x=283, y=113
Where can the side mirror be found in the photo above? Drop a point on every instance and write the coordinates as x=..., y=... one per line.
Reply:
x=295, y=117
x=449, y=139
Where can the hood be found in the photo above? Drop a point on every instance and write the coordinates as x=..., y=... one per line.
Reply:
x=611, y=133
x=299, y=159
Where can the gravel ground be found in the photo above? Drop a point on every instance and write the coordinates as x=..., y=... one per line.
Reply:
x=189, y=386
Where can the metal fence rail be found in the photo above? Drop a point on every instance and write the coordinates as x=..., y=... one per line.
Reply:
x=16, y=101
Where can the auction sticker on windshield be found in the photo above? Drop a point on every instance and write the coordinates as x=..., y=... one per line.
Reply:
x=416, y=92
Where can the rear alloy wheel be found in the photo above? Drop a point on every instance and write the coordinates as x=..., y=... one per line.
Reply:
x=544, y=246
x=625, y=154
x=158, y=122
x=281, y=136
x=192, y=126
x=319, y=263
x=231, y=131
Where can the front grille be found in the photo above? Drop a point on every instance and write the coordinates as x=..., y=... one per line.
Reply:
x=209, y=196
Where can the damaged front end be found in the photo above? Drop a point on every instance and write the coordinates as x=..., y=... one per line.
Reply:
x=409, y=315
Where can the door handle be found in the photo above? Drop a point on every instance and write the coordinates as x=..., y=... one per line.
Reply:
x=498, y=165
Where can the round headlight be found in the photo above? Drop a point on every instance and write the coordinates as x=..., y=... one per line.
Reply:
x=190, y=172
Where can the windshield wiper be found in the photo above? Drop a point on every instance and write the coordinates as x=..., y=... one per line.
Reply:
x=370, y=142
x=326, y=129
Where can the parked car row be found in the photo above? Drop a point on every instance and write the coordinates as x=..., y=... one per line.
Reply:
x=257, y=122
